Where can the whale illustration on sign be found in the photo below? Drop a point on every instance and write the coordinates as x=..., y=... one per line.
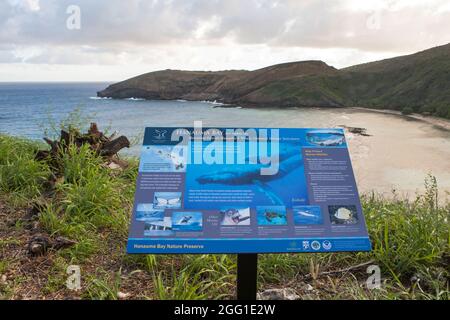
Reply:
x=185, y=220
x=290, y=159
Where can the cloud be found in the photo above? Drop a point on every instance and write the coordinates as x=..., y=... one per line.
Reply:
x=218, y=32
x=316, y=23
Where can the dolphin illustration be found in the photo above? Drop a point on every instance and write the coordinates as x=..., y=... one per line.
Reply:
x=306, y=214
x=290, y=159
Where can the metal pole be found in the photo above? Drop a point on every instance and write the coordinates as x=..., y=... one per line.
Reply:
x=247, y=271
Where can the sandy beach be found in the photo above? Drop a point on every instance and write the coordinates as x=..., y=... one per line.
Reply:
x=400, y=152
x=437, y=122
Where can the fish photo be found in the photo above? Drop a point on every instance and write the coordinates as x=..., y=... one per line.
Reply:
x=345, y=214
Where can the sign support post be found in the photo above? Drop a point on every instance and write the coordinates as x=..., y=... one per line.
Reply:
x=247, y=273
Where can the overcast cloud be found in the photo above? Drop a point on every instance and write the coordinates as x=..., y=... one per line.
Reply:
x=119, y=39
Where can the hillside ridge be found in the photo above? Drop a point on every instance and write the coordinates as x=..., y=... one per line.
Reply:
x=418, y=82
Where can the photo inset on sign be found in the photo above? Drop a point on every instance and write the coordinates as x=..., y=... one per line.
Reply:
x=307, y=215
x=159, y=228
x=232, y=216
x=167, y=200
x=271, y=215
x=162, y=158
x=187, y=221
x=146, y=212
x=345, y=214
x=326, y=138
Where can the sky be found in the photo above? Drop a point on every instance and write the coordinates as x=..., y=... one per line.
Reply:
x=111, y=40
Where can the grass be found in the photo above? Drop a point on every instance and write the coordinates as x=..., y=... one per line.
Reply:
x=92, y=206
x=103, y=285
x=21, y=177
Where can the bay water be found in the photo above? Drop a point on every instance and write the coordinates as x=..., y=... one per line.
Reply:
x=397, y=155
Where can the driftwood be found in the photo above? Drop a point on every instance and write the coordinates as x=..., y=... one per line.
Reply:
x=39, y=244
x=103, y=146
x=106, y=147
x=111, y=148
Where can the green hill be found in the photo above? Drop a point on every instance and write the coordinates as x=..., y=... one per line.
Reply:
x=418, y=82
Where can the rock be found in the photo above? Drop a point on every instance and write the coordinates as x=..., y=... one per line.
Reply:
x=278, y=294
x=309, y=287
x=356, y=130
x=114, y=166
x=122, y=295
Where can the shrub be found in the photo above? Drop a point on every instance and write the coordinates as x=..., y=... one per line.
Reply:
x=407, y=110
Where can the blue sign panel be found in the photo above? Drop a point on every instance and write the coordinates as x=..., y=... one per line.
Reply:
x=224, y=190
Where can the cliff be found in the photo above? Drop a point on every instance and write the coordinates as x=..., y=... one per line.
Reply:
x=419, y=82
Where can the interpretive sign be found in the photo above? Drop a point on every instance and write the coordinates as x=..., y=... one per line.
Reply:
x=249, y=190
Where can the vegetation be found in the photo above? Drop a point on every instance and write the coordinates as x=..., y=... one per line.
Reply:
x=92, y=203
x=416, y=83
x=407, y=110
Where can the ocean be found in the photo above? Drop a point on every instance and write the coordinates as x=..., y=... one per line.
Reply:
x=398, y=154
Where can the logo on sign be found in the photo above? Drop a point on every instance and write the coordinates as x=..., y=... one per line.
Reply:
x=160, y=134
x=315, y=245
x=326, y=245
x=305, y=245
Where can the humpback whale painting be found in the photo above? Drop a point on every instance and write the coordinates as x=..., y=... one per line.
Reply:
x=265, y=189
